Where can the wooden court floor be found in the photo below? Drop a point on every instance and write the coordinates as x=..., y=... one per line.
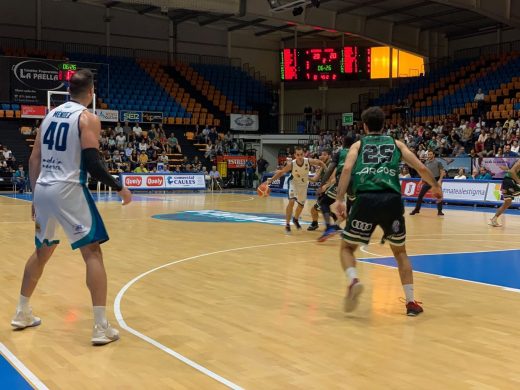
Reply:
x=242, y=305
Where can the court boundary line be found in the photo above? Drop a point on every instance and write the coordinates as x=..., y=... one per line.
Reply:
x=22, y=368
x=122, y=323
x=365, y=261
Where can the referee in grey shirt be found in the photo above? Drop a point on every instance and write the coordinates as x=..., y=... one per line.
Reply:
x=438, y=172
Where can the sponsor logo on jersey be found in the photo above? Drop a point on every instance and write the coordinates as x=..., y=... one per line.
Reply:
x=154, y=181
x=133, y=181
x=374, y=171
x=225, y=216
x=360, y=225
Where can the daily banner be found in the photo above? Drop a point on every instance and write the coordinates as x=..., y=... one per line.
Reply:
x=27, y=80
x=153, y=181
x=244, y=122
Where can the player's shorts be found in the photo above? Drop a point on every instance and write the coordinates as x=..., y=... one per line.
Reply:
x=332, y=192
x=298, y=192
x=510, y=188
x=70, y=205
x=371, y=209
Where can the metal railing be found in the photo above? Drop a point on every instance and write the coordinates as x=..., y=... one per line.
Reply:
x=475, y=52
x=83, y=48
x=294, y=123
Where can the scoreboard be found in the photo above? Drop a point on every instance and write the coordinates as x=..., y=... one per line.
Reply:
x=327, y=64
x=66, y=71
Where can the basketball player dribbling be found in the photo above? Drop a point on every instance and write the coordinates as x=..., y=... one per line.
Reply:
x=298, y=185
x=373, y=167
x=66, y=148
x=510, y=189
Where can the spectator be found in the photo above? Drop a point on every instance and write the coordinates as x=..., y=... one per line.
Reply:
x=197, y=165
x=119, y=129
x=164, y=158
x=515, y=148
x=500, y=152
x=143, y=146
x=250, y=170
x=405, y=172
x=8, y=155
x=461, y=175
x=213, y=135
x=173, y=143
x=483, y=174
x=143, y=158
x=262, y=165
x=479, y=99
x=127, y=130
x=120, y=140
x=20, y=179
x=508, y=152
x=141, y=169
x=215, y=177
x=129, y=149
x=138, y=131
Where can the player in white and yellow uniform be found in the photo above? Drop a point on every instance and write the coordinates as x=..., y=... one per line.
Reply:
x=66, y=148
x=298, y=185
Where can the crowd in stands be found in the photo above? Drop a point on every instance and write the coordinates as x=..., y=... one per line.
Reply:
x=447, y=139
x=7, y=160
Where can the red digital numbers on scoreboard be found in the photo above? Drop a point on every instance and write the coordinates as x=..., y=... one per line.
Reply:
x=289, y=68
x=325, y=64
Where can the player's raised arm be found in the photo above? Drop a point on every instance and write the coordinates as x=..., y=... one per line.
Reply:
x=279, y=174
x=412, y=160
x=90, y=128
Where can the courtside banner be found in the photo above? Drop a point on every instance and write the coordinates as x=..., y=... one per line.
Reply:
x=108, y=115
x=496, y=166
x=153, y=181
x=453, y=190
x=33, y=111
x=236, y=162
x=244, y=122
x=130, y=116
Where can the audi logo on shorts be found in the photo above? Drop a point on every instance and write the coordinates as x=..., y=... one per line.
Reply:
x=359, y=225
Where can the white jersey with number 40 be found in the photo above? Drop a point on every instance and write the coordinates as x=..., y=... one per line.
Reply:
x=61, y=146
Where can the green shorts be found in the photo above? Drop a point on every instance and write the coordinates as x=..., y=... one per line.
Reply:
x=510, y=188
x=371, y=209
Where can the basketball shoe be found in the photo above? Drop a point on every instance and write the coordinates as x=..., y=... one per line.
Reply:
x=102, y=335
x=297, y=224
x=494, y=222
x=413, y=309
x=25, y=319
x=287, y=229
x=328, y=233
x=351, y=300
x=313, y=226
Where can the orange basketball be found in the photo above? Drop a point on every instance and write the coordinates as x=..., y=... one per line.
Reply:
x=263, y=190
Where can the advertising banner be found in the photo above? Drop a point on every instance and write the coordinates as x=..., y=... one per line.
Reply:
x=37, y=112
x=244, y=122
x=130, y=116
x=151, y=181
x=152, y=117
x=236, y=162
x=455, y=163
x=108, y=115
x=466, y=190
x=497, y=166
x=32, y=78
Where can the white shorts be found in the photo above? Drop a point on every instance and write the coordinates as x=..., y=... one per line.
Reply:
x=71, y=205
x=298, y=192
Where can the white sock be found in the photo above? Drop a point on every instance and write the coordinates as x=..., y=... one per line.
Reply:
x=351, y=273
x=408, y=292
x=100, y=317
x=23, y=303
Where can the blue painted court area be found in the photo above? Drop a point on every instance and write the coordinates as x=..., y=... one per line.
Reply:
x=500, y=268
x=10, y=378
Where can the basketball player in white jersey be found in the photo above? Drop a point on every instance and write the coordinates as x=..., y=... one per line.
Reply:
x=298, y=185
x=66, y=148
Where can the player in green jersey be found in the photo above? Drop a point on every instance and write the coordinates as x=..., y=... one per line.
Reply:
x=329, y=193
x=318, y=177
x=510, y=189
x=373, y=167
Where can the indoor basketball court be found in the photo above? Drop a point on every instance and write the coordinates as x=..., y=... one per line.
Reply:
x=209, y=292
